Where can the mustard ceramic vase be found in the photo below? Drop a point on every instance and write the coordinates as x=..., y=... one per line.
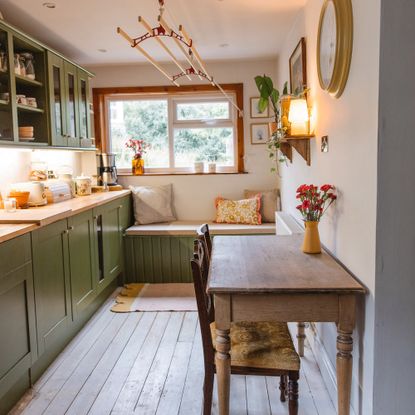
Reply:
x=137, y=166
x=311, y=243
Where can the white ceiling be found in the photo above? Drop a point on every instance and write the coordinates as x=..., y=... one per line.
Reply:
x=78, y=28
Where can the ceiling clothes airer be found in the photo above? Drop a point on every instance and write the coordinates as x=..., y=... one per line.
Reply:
x=185, y=45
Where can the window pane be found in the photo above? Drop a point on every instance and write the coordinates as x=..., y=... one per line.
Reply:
x=140, y=119
x=202, y=111
x=203, y=144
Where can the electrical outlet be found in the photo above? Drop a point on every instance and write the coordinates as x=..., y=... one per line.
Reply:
x=325, y=144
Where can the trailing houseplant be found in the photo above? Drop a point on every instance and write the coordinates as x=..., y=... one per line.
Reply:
x=270, y=96
x=279, y=104
x=314, y=203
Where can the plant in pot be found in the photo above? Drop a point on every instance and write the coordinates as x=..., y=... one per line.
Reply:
x=270, y=96
x=314, y=203
x=139, y=148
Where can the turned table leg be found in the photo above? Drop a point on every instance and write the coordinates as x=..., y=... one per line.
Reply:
x=344, y=360
x=223, y=347
x=301, y=338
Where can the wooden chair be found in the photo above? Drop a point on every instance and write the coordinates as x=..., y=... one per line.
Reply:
x=263, y=349
x=204, y=234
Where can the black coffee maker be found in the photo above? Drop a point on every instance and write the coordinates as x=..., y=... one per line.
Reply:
x=106, y=169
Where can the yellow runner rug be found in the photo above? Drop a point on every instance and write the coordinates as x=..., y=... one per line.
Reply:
x=155, y=297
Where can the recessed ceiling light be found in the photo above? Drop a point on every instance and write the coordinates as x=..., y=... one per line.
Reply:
x=102, y=50
x=49, y=5
x=224, y=45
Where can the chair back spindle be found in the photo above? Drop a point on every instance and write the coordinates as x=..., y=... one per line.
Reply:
x=205, y=307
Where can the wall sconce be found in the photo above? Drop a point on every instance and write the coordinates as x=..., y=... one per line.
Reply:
x=299, y=117
x=298, y=130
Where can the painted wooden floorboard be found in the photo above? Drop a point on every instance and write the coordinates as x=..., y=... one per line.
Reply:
x=152, y=364
x=131, y=389
x=90, y=389
x=108, y=395
x=151, y=392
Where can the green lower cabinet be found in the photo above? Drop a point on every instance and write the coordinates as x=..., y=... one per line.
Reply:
x=18, y=347
x=109, y=240
x=82, y=260
x=52, y=285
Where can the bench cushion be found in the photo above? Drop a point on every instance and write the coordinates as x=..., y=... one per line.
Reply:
x=182, y=228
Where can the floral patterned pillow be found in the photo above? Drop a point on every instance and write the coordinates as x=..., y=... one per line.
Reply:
x=244, y=211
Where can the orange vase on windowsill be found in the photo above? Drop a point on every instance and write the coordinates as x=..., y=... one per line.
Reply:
x=137, y=165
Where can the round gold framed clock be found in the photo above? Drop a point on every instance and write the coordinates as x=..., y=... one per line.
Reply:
x=335, y=45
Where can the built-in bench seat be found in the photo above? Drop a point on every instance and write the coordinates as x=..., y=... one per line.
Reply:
x=184, y=228
x=161, y=252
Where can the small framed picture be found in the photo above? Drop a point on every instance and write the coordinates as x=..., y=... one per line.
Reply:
x=255, y=112
x=298, y=68
x=259, y=133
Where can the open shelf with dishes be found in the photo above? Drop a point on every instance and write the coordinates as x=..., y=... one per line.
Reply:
x=31, y=92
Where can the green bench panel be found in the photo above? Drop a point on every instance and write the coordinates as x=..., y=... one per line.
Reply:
x=158, y=259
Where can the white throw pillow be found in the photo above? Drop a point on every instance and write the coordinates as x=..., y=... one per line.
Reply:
x=152, y=204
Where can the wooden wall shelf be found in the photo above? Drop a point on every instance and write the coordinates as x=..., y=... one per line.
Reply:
x=300, y=144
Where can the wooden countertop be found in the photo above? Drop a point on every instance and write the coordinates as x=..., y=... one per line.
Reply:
x=11, y=231
x=26, y=220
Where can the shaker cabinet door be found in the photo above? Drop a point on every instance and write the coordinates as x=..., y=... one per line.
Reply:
x=56, y=71
x=82, y=259
x=52, y=284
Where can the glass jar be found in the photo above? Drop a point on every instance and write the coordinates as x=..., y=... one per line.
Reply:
x=29, y=65
x=17, y=64
x=22, y=65
x=3, y=60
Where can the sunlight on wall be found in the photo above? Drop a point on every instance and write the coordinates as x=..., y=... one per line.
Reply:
x=15, y=164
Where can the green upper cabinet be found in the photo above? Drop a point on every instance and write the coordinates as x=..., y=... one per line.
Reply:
x=56, y=76
x=83, y=260
x=84, y=109
x=7, y=89
x=72, y=105
x=41, y=89
x=69, y=94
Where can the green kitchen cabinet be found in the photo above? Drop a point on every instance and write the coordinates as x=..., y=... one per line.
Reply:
x=126, y=212
x=71, y=102
x=56, y=76
x=63, y=116
x=18, y=347
x=52, y=287
x=84, y=109
x=109, y=239
x=82, y=261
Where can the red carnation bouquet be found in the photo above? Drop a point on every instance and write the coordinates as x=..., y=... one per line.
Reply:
x=315, y=201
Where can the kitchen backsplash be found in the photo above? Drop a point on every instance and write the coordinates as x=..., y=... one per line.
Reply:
x=15, y=165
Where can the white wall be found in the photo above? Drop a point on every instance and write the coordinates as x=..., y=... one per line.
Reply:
x=16, y=163
x=395, y=262
x=194, y=195
x=349, y=229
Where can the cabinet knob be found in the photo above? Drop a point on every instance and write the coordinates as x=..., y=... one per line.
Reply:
x=95, y=217
x=120, y=206
x=71, y=228
x=65, y=231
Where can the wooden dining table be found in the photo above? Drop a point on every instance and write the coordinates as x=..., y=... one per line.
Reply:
x=269, y=278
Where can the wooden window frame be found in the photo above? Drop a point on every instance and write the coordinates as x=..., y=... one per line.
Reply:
x=101, y=121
